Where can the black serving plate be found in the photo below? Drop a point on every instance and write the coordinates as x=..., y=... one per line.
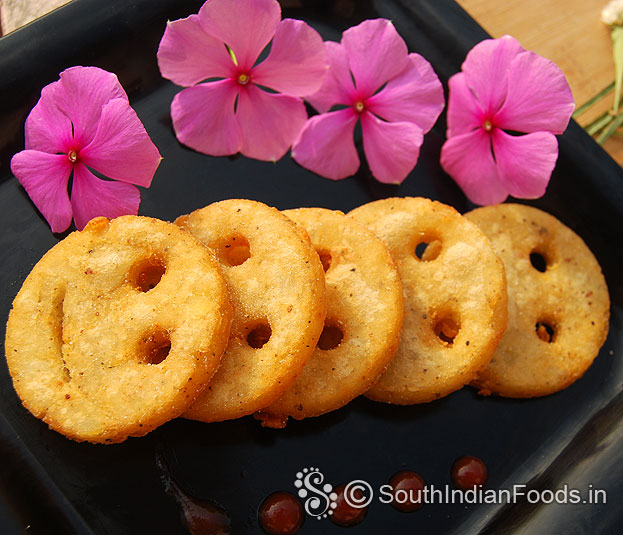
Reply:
x=575, y=438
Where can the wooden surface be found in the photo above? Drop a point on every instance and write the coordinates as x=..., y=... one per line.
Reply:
x=569, y=32
x=16, y=13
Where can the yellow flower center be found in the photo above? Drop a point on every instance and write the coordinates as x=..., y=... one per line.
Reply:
x=73, y=156
x=359, y=106
x=487, y=125
x=243, y=79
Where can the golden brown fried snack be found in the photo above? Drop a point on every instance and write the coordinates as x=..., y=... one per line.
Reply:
x=557, y=299
x=117, y=329
x=455, y=298
x=364, y=317
x=276, y=282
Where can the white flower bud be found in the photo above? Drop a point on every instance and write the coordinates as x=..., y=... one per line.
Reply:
x=612, y=13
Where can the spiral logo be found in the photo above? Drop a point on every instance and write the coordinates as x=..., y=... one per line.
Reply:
x=319, y=498
x=358, y=494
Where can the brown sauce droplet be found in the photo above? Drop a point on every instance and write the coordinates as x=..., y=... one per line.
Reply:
x=201, y=517
x=408, y=491
x=344, y=514
x=469, y=472
x=281, y=513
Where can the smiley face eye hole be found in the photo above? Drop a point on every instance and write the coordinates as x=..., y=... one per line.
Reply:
x=538, y=261
x=446, y=328
x=235, y=251
x=428, y=250
x=147, y=273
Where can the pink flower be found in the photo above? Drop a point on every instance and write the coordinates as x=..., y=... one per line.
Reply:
x=84, y=120
x=234, y=114
x=396, y=95
x=502, y=90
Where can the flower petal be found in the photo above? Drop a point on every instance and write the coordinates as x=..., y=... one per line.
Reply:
x=468, y=159
x=92, y=197
x=84, y=92
x=44, y=177
x=187, y=54
x=415, y=95
x=376, y=53
x=338, y=86
x=246, y=26
x=269, y=122
x=525, y=163
x=121, y=148
x=539, y=97
x=392, y=149
x=464, y=111
x=47, y=128
x=326, y=146
x=297, y=62
x=204, y=120
x=486, y=67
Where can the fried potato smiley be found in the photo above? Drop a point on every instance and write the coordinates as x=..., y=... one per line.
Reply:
x=364, y=317
x=117, y=329
x=455, y=297
x=276, y=283
x=557, y=298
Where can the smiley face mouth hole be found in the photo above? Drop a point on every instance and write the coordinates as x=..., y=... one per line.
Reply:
x=259, y=334
x=155, y=347
x=446, y=328
x=545, y=330
x=331, y=336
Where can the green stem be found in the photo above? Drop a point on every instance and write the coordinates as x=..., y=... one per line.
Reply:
x=597, y=125
x=596, y=120
x=592, y=101
x=611, y=129
x=617, y=52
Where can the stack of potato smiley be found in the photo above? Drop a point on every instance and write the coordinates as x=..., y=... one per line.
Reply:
x=240, y=309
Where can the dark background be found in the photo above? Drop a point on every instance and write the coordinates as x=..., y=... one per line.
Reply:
x=54, y=485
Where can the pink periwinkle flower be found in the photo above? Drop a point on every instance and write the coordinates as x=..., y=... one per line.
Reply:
x=396, y=95
x=234, y=113
x=82, y=121
x=502, y=91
